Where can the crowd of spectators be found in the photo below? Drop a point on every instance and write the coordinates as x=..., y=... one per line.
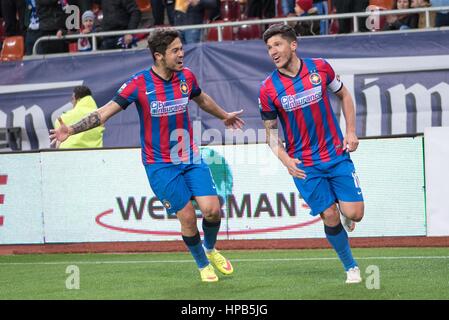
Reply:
x=33, y=19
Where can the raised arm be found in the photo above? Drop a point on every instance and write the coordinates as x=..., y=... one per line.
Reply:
x=278, y=149
x=350, y=142
x=95, y=119
x=230, y=119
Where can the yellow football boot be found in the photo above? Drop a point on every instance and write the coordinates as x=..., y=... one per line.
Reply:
x=208, y=274
x=221, y=263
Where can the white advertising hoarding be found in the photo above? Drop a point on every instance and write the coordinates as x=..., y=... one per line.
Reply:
x=105, y=196
x=437, y=178
x=21, y=214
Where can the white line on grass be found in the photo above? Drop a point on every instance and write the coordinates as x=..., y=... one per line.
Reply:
x=234, y=260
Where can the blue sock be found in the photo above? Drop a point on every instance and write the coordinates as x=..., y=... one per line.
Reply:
x=196, y=249
x=210, y=233
x=338, y=238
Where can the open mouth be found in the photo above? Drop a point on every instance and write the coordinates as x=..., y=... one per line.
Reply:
x=276, y=59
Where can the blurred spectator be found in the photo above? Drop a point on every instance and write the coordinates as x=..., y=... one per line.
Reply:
x=349, y=6
x=190, y=12
x=83, y=5
x=159, y=7
x=442, y=17
x=288, y=7
x=13, y=12
x=119, y=15
x=52, y=21
x=32, y=24
x=422, y=16
x=87, y=19
x=322, y=9
x=263, y=9
x=305, y=28
x=83, y=105
x=402, y=21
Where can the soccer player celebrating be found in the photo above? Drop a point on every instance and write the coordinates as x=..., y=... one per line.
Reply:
x=172, y=161
x=316, y=154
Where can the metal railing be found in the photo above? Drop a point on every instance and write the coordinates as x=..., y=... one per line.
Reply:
x=220, y=26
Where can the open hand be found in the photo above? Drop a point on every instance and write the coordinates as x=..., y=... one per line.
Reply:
x=60, y=134
x=233, y=121
x=292, y=166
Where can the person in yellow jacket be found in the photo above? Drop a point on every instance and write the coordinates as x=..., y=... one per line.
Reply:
x=83, y=105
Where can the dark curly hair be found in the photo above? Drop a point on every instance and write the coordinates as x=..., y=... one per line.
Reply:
x=161, y=38
x=285, y=31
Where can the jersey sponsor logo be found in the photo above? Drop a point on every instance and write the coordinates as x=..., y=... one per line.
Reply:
x=302, y=99
x=184, y=87
x=167, y=108
x=315, y=79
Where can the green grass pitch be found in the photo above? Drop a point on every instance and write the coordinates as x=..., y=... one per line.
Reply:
x=404, y=273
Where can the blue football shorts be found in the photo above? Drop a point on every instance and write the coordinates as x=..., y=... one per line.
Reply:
x=328, y=183
x=176, y=184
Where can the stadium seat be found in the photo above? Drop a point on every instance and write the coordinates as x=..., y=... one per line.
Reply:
x=227, y=32
x=248, y=32
x=2, y=30
x=13, y=49
x=230, y=10
x=73, y=47
x=144, y=5
x=387, y=4
x=334, y=26
x=279, y=11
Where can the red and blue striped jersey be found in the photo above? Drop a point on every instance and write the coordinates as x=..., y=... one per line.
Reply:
x=311, y=130
x=165, y=129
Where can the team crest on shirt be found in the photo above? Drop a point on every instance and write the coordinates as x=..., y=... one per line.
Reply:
x=315, y=79
x=166, y=204
x=184, y=87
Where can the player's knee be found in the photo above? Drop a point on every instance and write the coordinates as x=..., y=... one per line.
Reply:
x=330, y=216
x=212, y=213
x=189, y=224
x=355, y=213
x=358, y=215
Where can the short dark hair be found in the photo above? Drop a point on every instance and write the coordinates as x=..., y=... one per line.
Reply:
x=395, y=4
x=161, y=38
x=81, y=92
x=284, y=30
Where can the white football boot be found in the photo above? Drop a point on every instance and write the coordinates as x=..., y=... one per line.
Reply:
x=353, y=275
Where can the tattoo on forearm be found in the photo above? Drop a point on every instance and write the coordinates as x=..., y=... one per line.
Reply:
x=91, y=121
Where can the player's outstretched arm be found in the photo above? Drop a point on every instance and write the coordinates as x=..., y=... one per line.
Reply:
x=350, y=142
x=278, y=149
x=230, y=119
x=91, y=121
